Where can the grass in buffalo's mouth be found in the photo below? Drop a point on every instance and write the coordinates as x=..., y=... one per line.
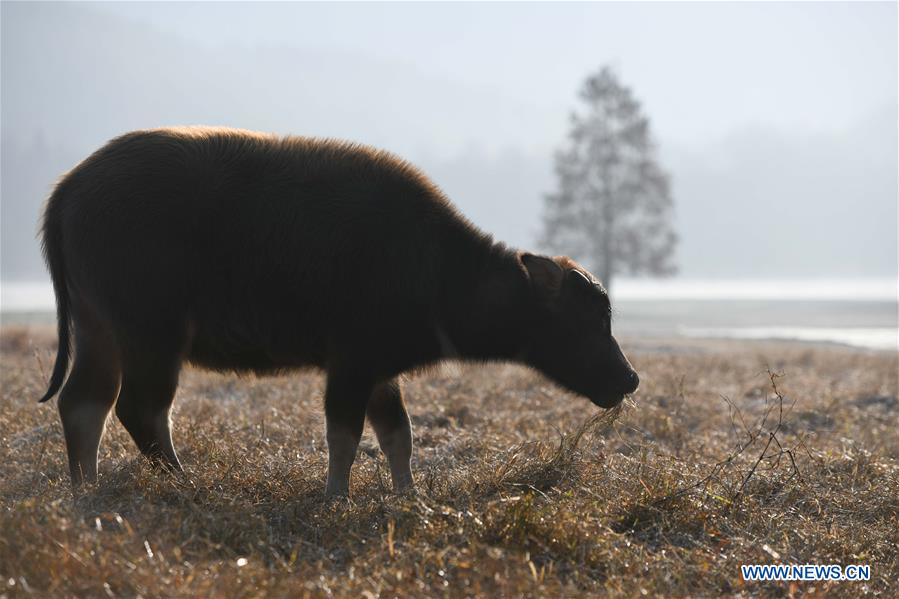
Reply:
x=727, y=455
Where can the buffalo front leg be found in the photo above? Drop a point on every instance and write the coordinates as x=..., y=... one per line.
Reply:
x=389, y=419
x=345, y=401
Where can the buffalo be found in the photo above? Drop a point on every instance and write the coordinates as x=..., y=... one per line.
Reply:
x=248, y=252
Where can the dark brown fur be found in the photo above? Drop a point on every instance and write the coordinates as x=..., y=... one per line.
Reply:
x=242, y=251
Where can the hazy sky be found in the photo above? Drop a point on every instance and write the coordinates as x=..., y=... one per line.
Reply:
x=778, y=122
x=702, y=69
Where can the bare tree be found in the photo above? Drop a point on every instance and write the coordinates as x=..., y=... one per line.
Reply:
x=613, y=208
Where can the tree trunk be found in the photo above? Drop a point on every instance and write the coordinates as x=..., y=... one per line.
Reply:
x=605, y=276
x=607, y=262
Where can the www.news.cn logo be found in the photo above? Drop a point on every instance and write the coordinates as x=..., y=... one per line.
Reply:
x=805, y=572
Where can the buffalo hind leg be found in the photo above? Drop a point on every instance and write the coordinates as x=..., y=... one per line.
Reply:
x=145, y=401
x=389, y=419
x=87, y=398
x=345, y=401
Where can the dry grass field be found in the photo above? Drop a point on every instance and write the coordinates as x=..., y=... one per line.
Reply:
x=522, y=489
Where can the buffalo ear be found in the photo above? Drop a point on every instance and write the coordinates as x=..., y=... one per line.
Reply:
x=545, y=274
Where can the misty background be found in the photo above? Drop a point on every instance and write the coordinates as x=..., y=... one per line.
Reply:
x=777, y=122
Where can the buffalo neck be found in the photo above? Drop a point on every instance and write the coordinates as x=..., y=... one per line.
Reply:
x=486, y=307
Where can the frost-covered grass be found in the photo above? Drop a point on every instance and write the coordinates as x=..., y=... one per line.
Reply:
x=522, y=489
